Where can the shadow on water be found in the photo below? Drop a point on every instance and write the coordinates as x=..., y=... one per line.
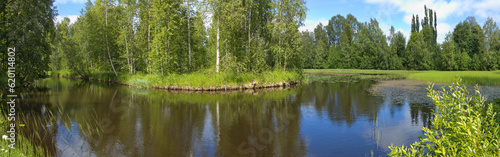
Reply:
x=318, y=119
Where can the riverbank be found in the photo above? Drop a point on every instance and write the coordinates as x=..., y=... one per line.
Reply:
x=197, y=81
x=468, y=77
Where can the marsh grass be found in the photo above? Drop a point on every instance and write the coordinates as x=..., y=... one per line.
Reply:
x=402, y=73
x=324, y=77
x=468, y=77
x=24, y=145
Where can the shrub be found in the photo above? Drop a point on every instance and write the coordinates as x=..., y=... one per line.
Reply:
x=464, y=125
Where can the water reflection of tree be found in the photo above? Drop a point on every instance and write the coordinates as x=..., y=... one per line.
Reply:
x=131, y=125
x=259, y=128
x=423, y=111
x=128, y=122
x=40, y=125
x=344, y=103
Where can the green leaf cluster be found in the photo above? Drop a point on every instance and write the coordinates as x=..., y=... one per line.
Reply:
x=463, y=125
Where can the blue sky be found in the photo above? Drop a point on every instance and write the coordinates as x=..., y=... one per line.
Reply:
x=398, y=13
x=388, y=13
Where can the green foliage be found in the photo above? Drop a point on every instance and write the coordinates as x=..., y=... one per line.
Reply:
x=307, y=49
x=447, y=56
x=418, y=54
x=169, y=39
x=464, y=124
x=320, y=47
x=496, y=107
x=463, y=60
x=398, y=47
x=28, y=27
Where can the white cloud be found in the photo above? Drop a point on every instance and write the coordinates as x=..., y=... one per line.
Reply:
x=69, y=1
x=385, y=28
x=72, y=18
x=309, y=25
x=442, y=30
x=444, y=10
x=406, y=33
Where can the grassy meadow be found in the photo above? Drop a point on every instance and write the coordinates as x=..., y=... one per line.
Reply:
x=468, y=77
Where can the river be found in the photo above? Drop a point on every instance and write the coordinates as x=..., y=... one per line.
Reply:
x=77, y=118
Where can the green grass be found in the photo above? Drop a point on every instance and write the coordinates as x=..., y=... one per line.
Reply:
x=468, y=77
x=205, y=78
x=23, y=146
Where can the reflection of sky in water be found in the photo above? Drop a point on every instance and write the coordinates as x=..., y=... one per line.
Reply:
x=69, y=142
x=205, y=146
x=396, y=126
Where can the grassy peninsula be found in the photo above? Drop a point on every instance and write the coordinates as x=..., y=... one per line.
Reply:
x=202, y=80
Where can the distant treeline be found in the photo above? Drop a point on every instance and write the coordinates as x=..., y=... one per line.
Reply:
x=346, y=43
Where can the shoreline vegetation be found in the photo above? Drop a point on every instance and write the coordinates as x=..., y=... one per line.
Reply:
x=198, y=81
x=23, y=146
x=464, y=124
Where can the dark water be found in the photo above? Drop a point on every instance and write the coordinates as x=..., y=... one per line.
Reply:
x=318, y=119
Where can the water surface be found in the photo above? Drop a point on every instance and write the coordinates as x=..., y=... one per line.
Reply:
x=317, y=119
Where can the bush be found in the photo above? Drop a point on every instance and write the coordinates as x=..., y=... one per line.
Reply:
x=496, y=108
x=464, y=125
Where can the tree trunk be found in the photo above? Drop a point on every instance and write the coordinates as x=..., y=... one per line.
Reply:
x=107, y=46
x=284, y=64
x=132, y=46
x=128, y=57
x=149, y=34
x=218, y=55
x=249, y=30
x=279, y=34
x=189, y=35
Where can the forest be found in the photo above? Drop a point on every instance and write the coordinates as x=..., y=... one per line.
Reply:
x=346, y=43
x=176, y=37
x=157, y=37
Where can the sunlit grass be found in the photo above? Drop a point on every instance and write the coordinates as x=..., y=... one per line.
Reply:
x=468, y=77
x=198, y=79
